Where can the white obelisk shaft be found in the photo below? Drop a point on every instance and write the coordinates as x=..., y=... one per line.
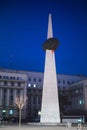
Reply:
x=50, y=104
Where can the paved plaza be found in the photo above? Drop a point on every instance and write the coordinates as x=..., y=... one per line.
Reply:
x=27, y=127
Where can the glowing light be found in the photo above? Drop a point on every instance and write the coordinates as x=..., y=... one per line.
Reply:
x=39, y=112
x=3, y=110
x=76, y=91
x=34, y=85
x=11, y=112
x=80, y=102
x=29, y=85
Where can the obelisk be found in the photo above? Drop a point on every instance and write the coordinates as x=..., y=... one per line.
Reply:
x=50, y=104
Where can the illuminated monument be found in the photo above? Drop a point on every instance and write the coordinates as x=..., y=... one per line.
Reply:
x=50, y=103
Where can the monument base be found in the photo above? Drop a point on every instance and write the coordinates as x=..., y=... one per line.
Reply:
x=46, y=124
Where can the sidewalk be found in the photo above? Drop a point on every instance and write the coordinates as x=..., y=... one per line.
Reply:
x=27, y=127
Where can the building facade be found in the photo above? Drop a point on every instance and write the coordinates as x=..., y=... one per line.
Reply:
x=72, y=90
x=12, y=86
x=78, y=92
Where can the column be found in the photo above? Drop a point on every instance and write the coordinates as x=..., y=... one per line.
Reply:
x=37, y=101
x=8, y=95
x=1, y=96
x=21, y=93
x=14, y=96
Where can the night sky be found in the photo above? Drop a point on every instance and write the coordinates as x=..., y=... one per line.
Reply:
x=23, y=29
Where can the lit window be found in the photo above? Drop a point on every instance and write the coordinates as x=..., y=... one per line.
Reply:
x=34, y=85
x=29, y=85
x=11, y=112
x=83, y=101
x=76, y=91
x=3, y=111
x=39, y=112
x=80, y=102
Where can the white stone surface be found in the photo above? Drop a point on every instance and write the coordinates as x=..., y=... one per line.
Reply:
x=50, y=104
x=50, y=30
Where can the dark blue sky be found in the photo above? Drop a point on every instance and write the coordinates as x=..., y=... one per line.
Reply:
x=23, y=29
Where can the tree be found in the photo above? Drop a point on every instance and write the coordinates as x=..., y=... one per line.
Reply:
x=20, y=102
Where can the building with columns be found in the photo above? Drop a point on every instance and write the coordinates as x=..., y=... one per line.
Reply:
x=12, y=85
x=78, y=96
x=27, y=83
x=35, y=88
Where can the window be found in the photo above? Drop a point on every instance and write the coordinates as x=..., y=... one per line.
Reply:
x=12, y=83
x=19, y=84
x=11, y=100
x=68, y=82
x=39, y=91
x=34, y=99
x=34, y=90
x=58, y=81
x=0, y=76
x=11, y=90
x=11, y=112
x=63, y=82
x=34, y=80
x=29, y=79
x=5, y=90
x=5, y=83
x=18, y=78
x=59, y=87
x=63, y=92
x=7, y=77
x=76, y=91
x=39, y=100
x=29, y=85
x=80, y=102
x=4, y=77
x=63, y=87
x=18, y=92
x=34, y=85
x=13, y=77
x=4, y=101
x=39, y=80
x=11, y=97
